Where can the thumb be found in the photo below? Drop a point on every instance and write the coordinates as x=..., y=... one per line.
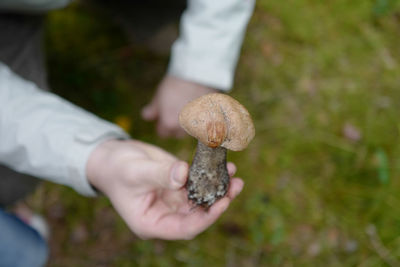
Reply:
x=167, y=175
x=150, y=112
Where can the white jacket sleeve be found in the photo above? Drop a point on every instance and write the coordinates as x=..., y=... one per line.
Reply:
x=211, y=34
x=43, y=135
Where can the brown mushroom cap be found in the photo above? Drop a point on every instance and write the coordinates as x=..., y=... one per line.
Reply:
x=218, y=120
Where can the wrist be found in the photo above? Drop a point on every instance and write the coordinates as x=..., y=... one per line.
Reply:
x=98, y=164
x=191, y=84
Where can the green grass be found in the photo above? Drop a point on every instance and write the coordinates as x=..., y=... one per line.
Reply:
x=314, y=195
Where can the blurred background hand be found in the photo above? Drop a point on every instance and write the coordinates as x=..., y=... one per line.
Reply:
x=171, y=95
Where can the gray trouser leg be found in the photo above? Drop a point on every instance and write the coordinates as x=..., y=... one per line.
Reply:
x=21, y=50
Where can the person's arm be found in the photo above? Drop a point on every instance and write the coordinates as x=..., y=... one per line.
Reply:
x=203, y=59
x=211, y=35
x=43, y=135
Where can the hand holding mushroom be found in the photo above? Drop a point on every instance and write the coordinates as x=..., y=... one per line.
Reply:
x=219, y=122
x=146, y=186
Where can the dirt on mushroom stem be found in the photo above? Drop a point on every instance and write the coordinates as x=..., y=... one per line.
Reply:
x=208, y=176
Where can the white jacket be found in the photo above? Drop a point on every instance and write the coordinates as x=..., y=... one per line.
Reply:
x=48, y=137
x=211, y=36
x=44, y=135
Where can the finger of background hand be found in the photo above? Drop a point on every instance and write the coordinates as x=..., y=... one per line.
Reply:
x=150, y=112
x=179, y=133
x=231, y=168
x=236, y=186
x=168, y=125
x=163, y=131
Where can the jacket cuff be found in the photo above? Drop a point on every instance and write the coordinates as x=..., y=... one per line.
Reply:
x=184, y=68
x=85, y=142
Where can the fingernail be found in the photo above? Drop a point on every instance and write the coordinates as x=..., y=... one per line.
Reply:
x=178, y=174
x=239, y=190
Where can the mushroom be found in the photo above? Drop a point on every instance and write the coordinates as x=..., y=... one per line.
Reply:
x=218, y=122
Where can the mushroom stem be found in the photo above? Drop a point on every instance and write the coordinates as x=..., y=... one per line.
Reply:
x=208, y=176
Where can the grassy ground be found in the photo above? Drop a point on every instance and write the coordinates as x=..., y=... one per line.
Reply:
x=322, y=81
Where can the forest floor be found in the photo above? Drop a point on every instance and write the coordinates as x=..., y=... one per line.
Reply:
x=322, y=82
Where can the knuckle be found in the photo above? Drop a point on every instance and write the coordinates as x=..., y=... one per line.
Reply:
x=170, y=125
